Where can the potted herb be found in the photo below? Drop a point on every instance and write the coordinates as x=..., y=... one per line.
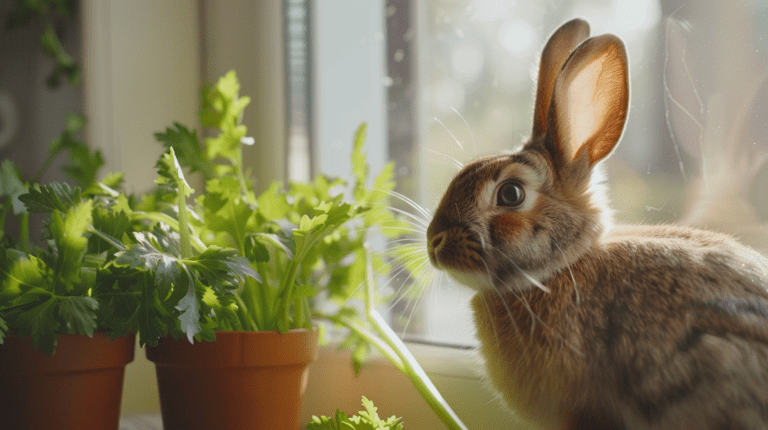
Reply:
x=51, y=292
x=53, y=298
x=300, y=241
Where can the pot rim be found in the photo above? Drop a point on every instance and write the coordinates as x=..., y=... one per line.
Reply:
x=234, y=349
x=74, y=353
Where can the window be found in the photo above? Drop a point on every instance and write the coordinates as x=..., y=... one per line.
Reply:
x=442, y=81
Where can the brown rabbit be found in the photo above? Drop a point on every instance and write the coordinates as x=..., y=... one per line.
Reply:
x=588, y=325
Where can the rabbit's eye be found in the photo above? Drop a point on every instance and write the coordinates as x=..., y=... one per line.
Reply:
x=510, y=194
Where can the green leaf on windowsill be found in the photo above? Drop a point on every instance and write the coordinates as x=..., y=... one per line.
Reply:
x=366, y=420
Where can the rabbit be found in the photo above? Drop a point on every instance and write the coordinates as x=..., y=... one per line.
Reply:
x=588, y=325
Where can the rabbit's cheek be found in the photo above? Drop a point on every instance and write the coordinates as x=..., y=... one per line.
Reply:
x=508, y=226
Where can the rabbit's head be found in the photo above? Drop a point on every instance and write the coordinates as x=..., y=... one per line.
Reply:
x=512, y=220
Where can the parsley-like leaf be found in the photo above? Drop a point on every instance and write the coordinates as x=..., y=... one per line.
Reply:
x=79, y=313
x=188, y=149
x=366, y=420
x=47, y=198
x=69, y=235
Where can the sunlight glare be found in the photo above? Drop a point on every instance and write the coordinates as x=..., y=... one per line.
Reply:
x=467, y=62
x=517, y=36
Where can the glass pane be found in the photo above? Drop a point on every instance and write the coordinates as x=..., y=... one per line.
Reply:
x=694, y=147
x=441, y=82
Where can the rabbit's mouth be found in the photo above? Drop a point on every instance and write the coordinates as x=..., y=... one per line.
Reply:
x=455, y=247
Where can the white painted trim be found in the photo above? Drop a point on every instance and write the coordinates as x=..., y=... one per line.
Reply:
x=141, y=67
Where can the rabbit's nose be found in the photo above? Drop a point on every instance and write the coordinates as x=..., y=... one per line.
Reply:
x=437, y=240
x=434, y=244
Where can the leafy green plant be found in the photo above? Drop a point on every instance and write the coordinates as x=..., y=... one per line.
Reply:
x=160, y=266
x=365, y=420
x=302, y=239
x=54, y=289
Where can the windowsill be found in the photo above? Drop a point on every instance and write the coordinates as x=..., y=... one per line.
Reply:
x=455, y=372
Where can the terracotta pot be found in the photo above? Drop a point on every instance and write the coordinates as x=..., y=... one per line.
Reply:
x=243, y=380
x=79, y=387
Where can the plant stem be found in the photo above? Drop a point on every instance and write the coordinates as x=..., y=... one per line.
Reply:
x=287, y=289
x=412, y=369
x=46, y=165
x=184, y=235
x=24, y=232
x=245, y=317
x=366, y=334
x=197, y=244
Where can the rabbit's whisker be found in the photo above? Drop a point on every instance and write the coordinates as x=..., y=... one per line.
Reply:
x=415, y=218
x=455, y=139
x=416, y=304
x=530, y=278
x=472, y=135
x=498, y=293
x=421, y=268
x=409, y=201
x=456, y=163
x=573, y=278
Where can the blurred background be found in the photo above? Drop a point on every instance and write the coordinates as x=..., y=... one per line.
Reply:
x=439, y=82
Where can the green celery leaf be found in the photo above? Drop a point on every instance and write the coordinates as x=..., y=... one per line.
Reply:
x=222, y=267
x=21, y=273
x=110, y=223
x=360, y=169
x=114, y=180
x=189, y=319
x=235, y=217
x=46, y=198
x=325, y=423
x=147, y=254
x=69, y=235
x=153, y=318
x=171, y=175
x=11, y=185
x=272, y=202
x=221, y=106
x=255, y=251
x=40, y=323
x=79, y=313
x=226, y=145
x=188, y=149
x=224, y=308
x=382, y=184
x=285, y=244
x=366, y=420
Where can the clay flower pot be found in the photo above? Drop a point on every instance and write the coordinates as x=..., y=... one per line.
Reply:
x=243, y=380
x=79, y=387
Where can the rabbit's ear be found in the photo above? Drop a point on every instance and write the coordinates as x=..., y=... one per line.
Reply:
x=558, y=48
x=590, y=101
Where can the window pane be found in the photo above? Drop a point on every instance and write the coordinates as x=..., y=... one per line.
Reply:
x=700, y=69
x=454, y=80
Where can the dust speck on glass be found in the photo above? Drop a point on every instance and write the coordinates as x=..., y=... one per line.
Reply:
x=443, y=81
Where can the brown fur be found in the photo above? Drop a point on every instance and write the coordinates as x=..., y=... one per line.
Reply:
x=632, y=327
